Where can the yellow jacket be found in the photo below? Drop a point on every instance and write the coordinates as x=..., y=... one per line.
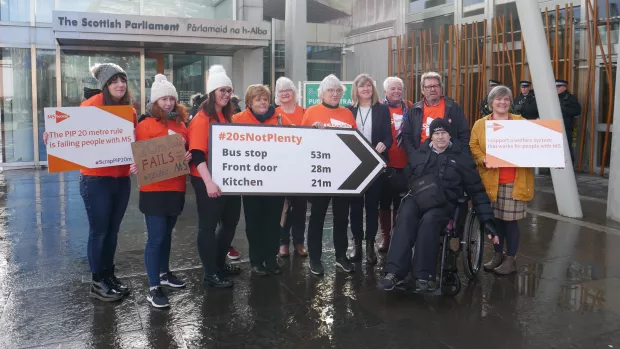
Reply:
x=524, y=180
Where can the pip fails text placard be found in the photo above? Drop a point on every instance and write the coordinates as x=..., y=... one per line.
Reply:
x=88, y=137
x=521, y=143
x=291, y=160
x=160, y=158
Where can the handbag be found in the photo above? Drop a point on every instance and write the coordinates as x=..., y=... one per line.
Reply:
x=427, y=190
x=397, y=180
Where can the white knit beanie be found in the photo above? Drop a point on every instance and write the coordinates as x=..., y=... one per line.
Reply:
x=217, y=78
x=162, y=88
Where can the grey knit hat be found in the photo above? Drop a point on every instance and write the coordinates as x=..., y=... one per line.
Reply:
x=103, y=72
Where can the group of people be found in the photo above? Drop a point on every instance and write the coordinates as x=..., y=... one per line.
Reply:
x=428, y=139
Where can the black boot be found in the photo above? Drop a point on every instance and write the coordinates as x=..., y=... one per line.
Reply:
x=116, y=283
x=103, y=290
x=371, y=256
x=356, y=254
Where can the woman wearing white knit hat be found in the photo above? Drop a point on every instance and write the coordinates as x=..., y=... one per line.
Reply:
x=161, y=202
x=212, y=207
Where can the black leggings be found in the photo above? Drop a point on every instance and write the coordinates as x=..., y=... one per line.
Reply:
x=262, y=227
x=212, y=244
x=507, y=231
x=340, y=213
x=390, y=196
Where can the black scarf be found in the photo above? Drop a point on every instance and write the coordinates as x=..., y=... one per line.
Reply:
x=264, y=117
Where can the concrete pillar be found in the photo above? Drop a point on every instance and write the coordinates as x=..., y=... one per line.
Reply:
x=247, y=64
x=564, y=184
x=296, y=40
x=613, y=196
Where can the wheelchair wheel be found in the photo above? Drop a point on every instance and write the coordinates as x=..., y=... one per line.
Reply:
x=473, y=241
x=451, y=284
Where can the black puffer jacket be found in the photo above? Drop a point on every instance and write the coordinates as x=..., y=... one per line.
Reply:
x=412, y=125
x=460, y=176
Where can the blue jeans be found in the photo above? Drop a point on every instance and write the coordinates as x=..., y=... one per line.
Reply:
x=158, y=243
x=105, y=200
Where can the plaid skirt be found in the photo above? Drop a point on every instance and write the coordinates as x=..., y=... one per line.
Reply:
x=506, y=208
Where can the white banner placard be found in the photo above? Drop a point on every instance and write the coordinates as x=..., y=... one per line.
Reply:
x=272, y=160
x=524, y=143
x=88, y=137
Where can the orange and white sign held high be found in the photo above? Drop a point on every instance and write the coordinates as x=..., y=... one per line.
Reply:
x=524, y=143
x=88, y=137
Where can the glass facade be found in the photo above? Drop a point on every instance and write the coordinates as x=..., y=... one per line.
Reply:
x=127, y=7
x=421, y=5
x=15, y=10
x=43, y=11
x=46, y=92
x=75, y=74
x=188, y=8
x=168, y=8
x=16, y=139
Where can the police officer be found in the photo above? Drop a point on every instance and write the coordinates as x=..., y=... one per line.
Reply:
x=484, y=106
x=571, y=109
x=525, y=104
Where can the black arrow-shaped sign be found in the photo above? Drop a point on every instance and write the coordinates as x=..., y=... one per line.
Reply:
x=369, y=162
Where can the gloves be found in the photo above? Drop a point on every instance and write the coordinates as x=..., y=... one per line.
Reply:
x=490, y=228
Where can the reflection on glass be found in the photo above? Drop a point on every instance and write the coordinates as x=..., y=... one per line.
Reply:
x=472, y=2
x=188, y=76
x=76, y=74
x=126, y=7
x=46, y=92
x=43, y=13
x=15, y=10
x=16, y=106
x=318, y=71
x=324, y=53
x=189, y=9
x=421, y=5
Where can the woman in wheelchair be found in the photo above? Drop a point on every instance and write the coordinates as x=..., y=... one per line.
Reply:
x=439, y=175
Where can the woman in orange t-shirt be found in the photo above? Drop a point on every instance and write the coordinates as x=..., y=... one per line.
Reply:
x=330, y=114
x=391, y=194
x=161, y=202
x=262, y=213
x=293, y=221
x=105, y=191
x=213, y=208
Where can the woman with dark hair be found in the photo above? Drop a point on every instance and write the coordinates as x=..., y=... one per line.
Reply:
x=161, y=202
x=213, y=208
x=197, y=100
x=105, y=191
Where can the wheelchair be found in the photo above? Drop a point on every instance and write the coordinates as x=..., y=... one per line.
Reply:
x=465, y=229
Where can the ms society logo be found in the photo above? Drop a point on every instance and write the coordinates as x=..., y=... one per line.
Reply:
x=495, y=126
x=59, y=116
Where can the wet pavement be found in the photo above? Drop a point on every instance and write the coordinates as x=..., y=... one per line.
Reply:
x=565, y=295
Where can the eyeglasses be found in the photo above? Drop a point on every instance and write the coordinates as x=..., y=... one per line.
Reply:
x=285, y=92
x=227, y=91
x=431, y=87
x=332, y=91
